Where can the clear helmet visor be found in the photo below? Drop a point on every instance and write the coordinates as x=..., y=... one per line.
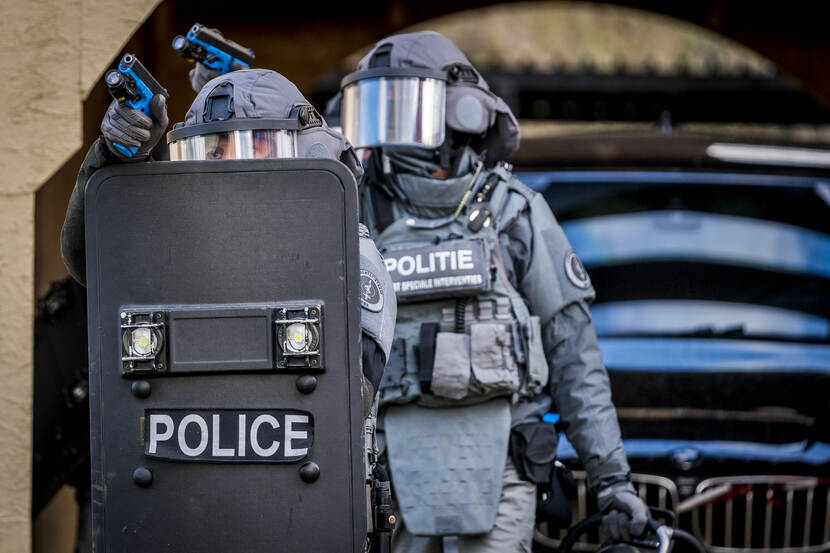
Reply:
x=236, y=144
x=399, y=110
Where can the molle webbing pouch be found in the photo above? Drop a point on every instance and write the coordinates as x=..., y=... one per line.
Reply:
x=475, y=365
x=492, y=360
x=477, y=349
x=425, y=271
x=447, y=465
x=451, y=368
x=399, y=383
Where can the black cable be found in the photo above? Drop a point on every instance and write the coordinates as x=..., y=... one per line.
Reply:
x=582, y=527
x=577, y=530
x=683, y=535
x=460, y=310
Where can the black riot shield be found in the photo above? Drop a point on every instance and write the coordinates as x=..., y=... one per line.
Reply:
x=224, y=357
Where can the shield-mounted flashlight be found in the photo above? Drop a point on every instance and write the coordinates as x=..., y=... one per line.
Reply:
x=142, y=341
x=298, y=337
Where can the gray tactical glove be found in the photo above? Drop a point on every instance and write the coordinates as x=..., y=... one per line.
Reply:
x=132, y=128
x=201, y=74
x=627, y=514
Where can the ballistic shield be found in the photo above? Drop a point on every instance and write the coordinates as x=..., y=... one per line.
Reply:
x=224, y=326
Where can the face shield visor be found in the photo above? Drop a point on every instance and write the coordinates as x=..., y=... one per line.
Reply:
x=235, y=139
x=394, y=106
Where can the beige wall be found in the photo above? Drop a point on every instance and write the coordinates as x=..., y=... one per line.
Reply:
x=51, y=53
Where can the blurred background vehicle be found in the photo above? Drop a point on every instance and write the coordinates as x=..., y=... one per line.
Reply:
x=712, y=265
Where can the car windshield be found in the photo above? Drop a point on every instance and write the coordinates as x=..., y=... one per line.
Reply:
x=697, y=254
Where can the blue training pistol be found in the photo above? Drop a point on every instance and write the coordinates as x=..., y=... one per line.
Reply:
x=211, y=48
x=133, y=85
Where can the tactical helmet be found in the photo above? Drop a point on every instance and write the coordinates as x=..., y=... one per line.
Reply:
x=255, y=113
x=412, y=86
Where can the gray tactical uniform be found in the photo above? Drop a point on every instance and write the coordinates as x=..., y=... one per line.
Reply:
x=548, y=291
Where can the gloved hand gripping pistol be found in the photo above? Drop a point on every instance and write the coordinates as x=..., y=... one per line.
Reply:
x=210, y=48
x=133, y=85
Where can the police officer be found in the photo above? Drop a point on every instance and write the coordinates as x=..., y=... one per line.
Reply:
x=493, y=334
x=247, y=96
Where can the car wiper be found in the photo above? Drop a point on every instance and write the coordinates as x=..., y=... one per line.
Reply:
x=736, y=331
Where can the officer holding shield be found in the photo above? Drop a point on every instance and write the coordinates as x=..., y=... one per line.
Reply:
x=245, y=114
x=494, y=337
x=223, y=324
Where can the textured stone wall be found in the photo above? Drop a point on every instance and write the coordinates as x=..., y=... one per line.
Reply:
x=51, y=53
x=16, y=311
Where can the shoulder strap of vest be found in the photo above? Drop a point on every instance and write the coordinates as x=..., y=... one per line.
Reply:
x=518, y=186
x=381, y=208
x=510, y=198
x=378, y=194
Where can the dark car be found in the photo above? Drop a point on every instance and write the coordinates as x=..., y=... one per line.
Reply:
x=711, y=262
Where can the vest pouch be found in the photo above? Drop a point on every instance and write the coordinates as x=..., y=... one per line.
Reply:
x=533, y=450
x=492, y=360
x=537, y=365
x=399, y=383
x=451, y=369
x=553, y=503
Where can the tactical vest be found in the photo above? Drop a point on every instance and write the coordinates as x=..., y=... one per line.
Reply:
x=463, y=334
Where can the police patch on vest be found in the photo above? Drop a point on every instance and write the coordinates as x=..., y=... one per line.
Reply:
x=576, y=271
x=439, y=269
x=371, y=292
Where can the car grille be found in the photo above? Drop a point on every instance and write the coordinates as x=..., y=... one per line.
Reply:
x=735, y=514
x=770, y=513
x=657, y=491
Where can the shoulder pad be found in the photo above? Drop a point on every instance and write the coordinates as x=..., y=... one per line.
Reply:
x=379, y=307
x=555, y=276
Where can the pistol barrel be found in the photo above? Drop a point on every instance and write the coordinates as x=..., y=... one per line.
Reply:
x=215, y=39
x=130, y=63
